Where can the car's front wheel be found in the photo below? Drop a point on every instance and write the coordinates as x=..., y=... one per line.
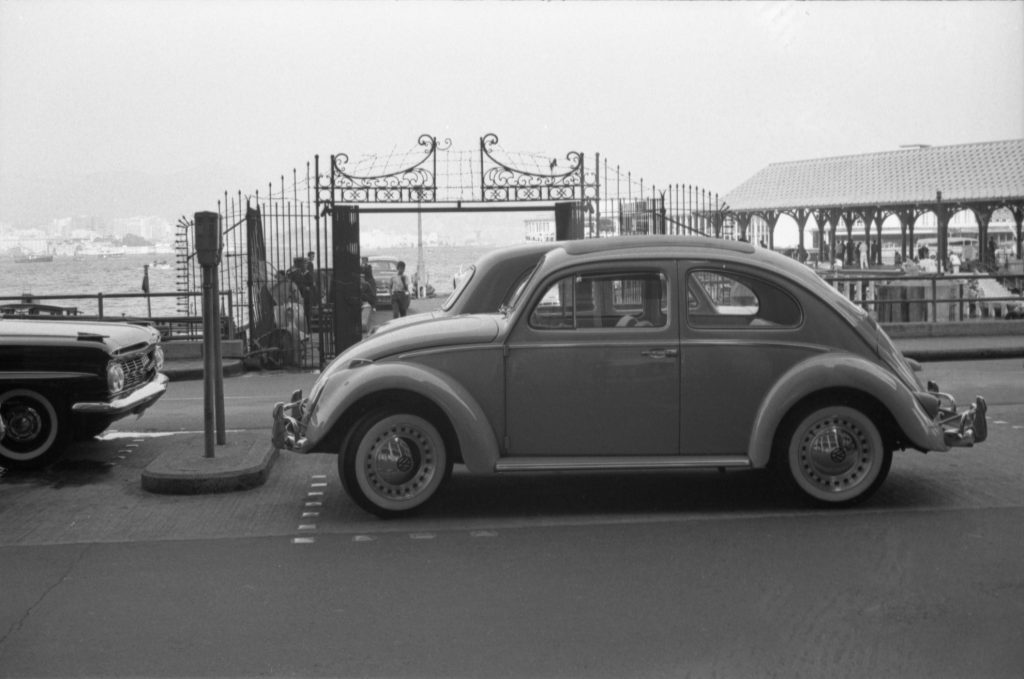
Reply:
x=34, y=430
x=393, y=463
x=834, y=455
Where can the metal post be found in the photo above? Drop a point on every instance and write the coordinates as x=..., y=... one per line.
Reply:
x=209, y=365
x=218, y=361
x=208, y=252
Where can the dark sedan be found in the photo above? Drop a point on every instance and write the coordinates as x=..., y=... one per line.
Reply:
x=67, y=380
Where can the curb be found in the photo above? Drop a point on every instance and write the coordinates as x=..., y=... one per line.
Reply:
x=236, y=465
x=179, y=371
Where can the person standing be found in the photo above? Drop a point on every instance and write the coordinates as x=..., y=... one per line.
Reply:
x=954, y=262
x=368, y=296
x=398, y=286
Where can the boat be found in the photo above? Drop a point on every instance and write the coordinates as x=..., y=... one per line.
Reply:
x=33, y=259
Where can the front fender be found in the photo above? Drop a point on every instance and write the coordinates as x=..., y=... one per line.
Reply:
x=344, y=389
x=841, y=371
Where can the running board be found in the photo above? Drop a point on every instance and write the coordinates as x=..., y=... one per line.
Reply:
x=621, y=463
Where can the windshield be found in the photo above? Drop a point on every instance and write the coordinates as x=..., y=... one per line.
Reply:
x=461, y=282
x=517, y=295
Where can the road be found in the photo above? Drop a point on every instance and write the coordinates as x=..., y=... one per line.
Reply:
x=691, y=575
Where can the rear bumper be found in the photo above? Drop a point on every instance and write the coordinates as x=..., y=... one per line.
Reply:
x=965, y=428
x=134, y=403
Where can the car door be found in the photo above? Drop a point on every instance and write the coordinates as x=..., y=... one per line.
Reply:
x=592, y=366
x=743, y=330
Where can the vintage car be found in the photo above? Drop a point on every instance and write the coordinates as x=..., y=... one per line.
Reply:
x=485, y=286
x=68, y=380
x=631, y=353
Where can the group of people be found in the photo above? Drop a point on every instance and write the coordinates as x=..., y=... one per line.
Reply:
x=854, y=254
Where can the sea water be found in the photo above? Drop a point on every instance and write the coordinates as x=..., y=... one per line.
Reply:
x=123, y=275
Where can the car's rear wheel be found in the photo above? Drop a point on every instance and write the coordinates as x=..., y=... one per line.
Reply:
x=35, y=431
x=834, y=455
x=394, y=462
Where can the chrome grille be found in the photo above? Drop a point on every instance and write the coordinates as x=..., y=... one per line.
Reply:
x=136, y=369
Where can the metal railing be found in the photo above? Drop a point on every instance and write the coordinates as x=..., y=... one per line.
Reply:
x=95, y=307
x=932, y=298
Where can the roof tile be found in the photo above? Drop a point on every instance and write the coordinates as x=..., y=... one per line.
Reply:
x=986, y=170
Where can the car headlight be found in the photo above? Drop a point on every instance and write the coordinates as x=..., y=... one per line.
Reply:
x=158, y=358
x=115, y=377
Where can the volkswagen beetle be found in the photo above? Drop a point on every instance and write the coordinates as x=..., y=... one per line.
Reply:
x=69, y=380
x=631, y=353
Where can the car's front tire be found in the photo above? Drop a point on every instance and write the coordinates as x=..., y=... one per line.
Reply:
x=393, y=463
x=36, y=428
x=834, y=455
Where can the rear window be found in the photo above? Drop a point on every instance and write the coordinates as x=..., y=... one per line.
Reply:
x=723, y=299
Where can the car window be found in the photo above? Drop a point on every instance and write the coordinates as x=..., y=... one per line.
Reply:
x=717, y=299
x=462, y=281
x=603, y=300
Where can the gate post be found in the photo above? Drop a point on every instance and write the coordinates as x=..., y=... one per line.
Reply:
x=568, y=226
x=344, y=294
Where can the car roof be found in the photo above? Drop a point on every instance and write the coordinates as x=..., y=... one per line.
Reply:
x=616, y=243
x=681, y=246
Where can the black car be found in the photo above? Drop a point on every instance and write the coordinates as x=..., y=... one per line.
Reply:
x=67, y=380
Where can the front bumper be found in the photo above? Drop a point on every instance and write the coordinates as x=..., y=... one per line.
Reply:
x=287, y=429
x=964, y=428
x=132, y=404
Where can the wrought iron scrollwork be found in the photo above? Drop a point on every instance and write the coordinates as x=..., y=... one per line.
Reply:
x=501, y=183
x=414, y=184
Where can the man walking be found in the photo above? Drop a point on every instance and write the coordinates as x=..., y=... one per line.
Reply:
x=399, y=288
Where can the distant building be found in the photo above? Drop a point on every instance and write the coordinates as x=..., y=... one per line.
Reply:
x=540, y=230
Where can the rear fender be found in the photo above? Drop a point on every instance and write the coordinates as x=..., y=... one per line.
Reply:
x=841, y=371
x=346, y=388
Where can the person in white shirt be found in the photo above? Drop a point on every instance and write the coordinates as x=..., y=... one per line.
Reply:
x=399, y=288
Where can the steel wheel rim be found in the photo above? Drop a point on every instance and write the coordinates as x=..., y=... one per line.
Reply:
x=836, y=455
x=399, y=463
x=27, y=415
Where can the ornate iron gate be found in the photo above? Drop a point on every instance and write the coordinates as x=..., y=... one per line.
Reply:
x=301, y=226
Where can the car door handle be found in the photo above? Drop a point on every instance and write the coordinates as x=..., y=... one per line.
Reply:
x=660, y=353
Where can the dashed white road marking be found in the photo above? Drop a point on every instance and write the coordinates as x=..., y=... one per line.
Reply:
x=483, y=534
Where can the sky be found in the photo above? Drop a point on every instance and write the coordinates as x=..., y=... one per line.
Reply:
x=236, y=93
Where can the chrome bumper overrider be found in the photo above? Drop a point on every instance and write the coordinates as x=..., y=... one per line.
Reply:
x=287, y=431
x=134, y=403
x=964, y=428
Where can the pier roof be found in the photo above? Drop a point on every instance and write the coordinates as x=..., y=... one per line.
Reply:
x=986, y=171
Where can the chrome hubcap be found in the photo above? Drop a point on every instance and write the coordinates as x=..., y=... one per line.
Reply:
x=835, y=454
x=400, y=463
x=24, y=424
